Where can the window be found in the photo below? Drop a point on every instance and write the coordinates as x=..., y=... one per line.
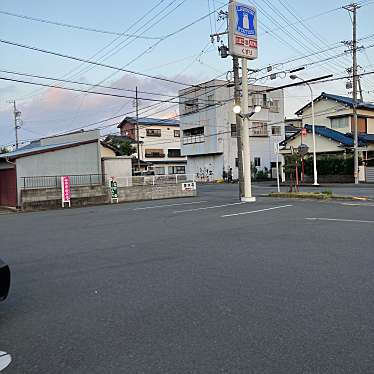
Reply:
x=154, y=153
x=339, y=123
x=257, y=161
x=194, y=135
x=233, y=130
x=160, y=170
x=258, y=129
x=153, y=132
x=177, y=169
x=259, y=99
x=274, y=106
x=275, y=130
x=191, y=105
x=210, y=100
x=174, y=153
x=177, y=133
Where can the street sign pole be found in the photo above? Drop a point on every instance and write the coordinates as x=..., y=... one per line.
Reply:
x=243, y=44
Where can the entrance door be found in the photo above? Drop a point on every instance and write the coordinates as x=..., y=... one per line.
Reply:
x=8, y=187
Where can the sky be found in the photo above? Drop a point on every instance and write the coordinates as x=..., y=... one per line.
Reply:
x=287, y=30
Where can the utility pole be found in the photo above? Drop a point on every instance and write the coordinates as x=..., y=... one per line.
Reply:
x=17, y=121
x=137, y=125
x=353, y=9
x=238, y=125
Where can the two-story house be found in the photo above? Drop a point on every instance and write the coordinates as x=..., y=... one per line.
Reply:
x=208, y=129
x=334, y=128
x=159, y=143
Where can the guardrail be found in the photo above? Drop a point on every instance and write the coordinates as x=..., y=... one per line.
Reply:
x=54, y=181
x=153, y=180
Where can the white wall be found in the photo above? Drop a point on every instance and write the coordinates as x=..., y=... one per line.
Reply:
x=166, y=141
x=217, y=122
x=207, y=168
x=117, y=167
x=82, y=159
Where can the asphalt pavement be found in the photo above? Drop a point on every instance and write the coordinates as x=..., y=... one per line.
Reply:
x=197, y=285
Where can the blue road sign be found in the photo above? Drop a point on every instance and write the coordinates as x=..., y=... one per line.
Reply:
x=245, y=17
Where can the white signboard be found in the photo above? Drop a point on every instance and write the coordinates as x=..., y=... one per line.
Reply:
x=189, y=186
x=242, y=30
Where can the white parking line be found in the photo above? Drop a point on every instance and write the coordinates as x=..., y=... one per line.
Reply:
x=255, y=211
x=5, y=360
x=208, y=207
x=356, y=204
x=339, y=220
x=169, y=205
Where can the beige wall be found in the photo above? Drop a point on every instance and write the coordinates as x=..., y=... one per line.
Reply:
x=327, y=108
x=370, y=123
x=322, y=144
x=107, y=152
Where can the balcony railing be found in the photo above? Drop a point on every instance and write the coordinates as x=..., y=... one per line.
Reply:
x=192, y=139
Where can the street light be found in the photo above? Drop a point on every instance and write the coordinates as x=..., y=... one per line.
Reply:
x=238, y=110
x=293, y=77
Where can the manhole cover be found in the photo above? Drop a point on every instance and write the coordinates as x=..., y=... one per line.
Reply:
x=5, y=360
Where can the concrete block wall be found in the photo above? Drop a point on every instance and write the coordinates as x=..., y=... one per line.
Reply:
x=50, y=198
x=139, y=193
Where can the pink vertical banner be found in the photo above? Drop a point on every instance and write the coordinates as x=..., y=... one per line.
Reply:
x=65, y=190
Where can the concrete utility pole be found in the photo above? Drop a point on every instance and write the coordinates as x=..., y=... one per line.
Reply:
x=17, y=120
x=246, y=156
x=235, y=61
x=137, y=124
x=353, y=9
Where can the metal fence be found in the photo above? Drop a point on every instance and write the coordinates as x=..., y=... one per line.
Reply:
x=154, y=180
x=54, y=181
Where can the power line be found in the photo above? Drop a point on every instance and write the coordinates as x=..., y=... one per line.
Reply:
x=77, y=27
x=90, y=62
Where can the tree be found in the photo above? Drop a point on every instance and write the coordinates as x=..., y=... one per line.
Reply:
x=290, y=168
x=123, y=146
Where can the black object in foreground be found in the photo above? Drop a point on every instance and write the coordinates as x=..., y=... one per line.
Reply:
x=4, y=280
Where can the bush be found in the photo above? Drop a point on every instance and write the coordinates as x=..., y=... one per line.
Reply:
x=330, y=165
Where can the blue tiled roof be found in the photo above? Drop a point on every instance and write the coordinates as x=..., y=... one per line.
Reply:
x=341, y=99
x=153, y=121
x=344, y=139
x=367, y=138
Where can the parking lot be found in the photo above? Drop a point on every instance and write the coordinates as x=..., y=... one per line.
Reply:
x=196, y=285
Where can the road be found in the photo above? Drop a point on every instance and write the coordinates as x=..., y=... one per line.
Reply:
x=198, y=285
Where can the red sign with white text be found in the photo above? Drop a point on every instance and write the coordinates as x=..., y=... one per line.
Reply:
x=65, y=188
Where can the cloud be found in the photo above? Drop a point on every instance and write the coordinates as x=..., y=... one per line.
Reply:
x=56, y=110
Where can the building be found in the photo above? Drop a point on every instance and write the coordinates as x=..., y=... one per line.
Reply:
x=79, y=155
x=209, y=131
x=334, y=129
x=159, y=144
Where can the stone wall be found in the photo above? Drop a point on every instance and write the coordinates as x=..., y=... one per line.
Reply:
x=50, y=198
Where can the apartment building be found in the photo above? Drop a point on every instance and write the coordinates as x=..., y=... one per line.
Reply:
x=208, y=129
x=159, y=143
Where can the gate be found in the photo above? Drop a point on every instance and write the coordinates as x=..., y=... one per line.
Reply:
x=8, y=187
x=370, y=174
